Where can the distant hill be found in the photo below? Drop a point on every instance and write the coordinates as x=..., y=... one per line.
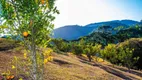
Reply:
x=120, y=36
x=73, y=32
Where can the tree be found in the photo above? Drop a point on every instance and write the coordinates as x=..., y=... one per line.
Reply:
x=110, y=53
x=106, y=32
x=61, y=45
x=96, y=50
x=105, y=29
x=77, y=48
x=125, y=55
x=32, y=21
x=87, y=51
x=91, y=50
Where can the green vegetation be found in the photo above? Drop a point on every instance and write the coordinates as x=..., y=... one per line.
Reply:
x=91, y=50
x=33, y=24
x=114, y=48
x=114, y=53
x=59, y=45
x=32, y=21
x=109, y=53
x=134, y=44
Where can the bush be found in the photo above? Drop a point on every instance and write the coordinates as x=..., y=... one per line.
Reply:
x=136, y=44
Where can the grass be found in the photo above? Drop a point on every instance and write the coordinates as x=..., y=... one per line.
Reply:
x=6, y=44
x=72, y=67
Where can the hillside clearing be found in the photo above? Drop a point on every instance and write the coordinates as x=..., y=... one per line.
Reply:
x=70, y=67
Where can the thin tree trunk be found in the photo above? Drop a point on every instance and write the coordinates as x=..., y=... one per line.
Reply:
x=34, y=63
x=41, y=76
x=103, y=60
x=129, y=69
x=89, y=57
x=33, y=56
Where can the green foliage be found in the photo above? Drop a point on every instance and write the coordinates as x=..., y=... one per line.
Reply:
x=77, y=48
x=91, y=50
x=134, y=43
x=110, y=53
x=104, y=29
x=19, y=18
x=119, y=55
x=32, y=20
x=60, y=44
x=104, y=37
x=132, y=32
x=125, y=55
x=119, y=28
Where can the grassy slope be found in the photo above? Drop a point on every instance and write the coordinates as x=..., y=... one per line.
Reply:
x=71, y=67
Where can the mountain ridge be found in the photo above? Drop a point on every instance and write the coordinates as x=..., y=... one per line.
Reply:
x=73, y=32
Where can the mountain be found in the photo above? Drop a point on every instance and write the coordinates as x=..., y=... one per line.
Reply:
x=73, y=32
x=120, y=36
x=114, y=23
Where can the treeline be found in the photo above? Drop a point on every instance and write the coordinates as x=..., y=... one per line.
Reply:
x=103, y=43
x=119, y=54
x=107, y=34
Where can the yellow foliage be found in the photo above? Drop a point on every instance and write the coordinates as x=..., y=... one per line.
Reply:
x=25, y=55
x=20, y=79
x=50, y=58
x=45, y=61
x=13, y=67
x=84, y=55
x=47, y=52
x=47, y=3
x=15, y=58
x=36, y=1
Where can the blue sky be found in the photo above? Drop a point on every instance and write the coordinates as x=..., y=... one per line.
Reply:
x=83, y=12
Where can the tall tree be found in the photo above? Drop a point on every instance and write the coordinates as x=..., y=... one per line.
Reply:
x=32, y=21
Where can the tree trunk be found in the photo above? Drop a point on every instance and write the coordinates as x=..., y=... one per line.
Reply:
x=33, y=57
x=41, y=76
x=34, y=65
x=103, y=60
x=97, y=59
x=89, y=57
x=129, y=69
x=34, y=62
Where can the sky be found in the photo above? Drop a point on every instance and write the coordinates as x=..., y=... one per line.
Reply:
x=83, y=12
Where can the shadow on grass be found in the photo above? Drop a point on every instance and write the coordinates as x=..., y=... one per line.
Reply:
x=6, y=48
x=60, y=62
x=83, y=58
x=132, y=71
x=108, y=69
x=115, y=72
